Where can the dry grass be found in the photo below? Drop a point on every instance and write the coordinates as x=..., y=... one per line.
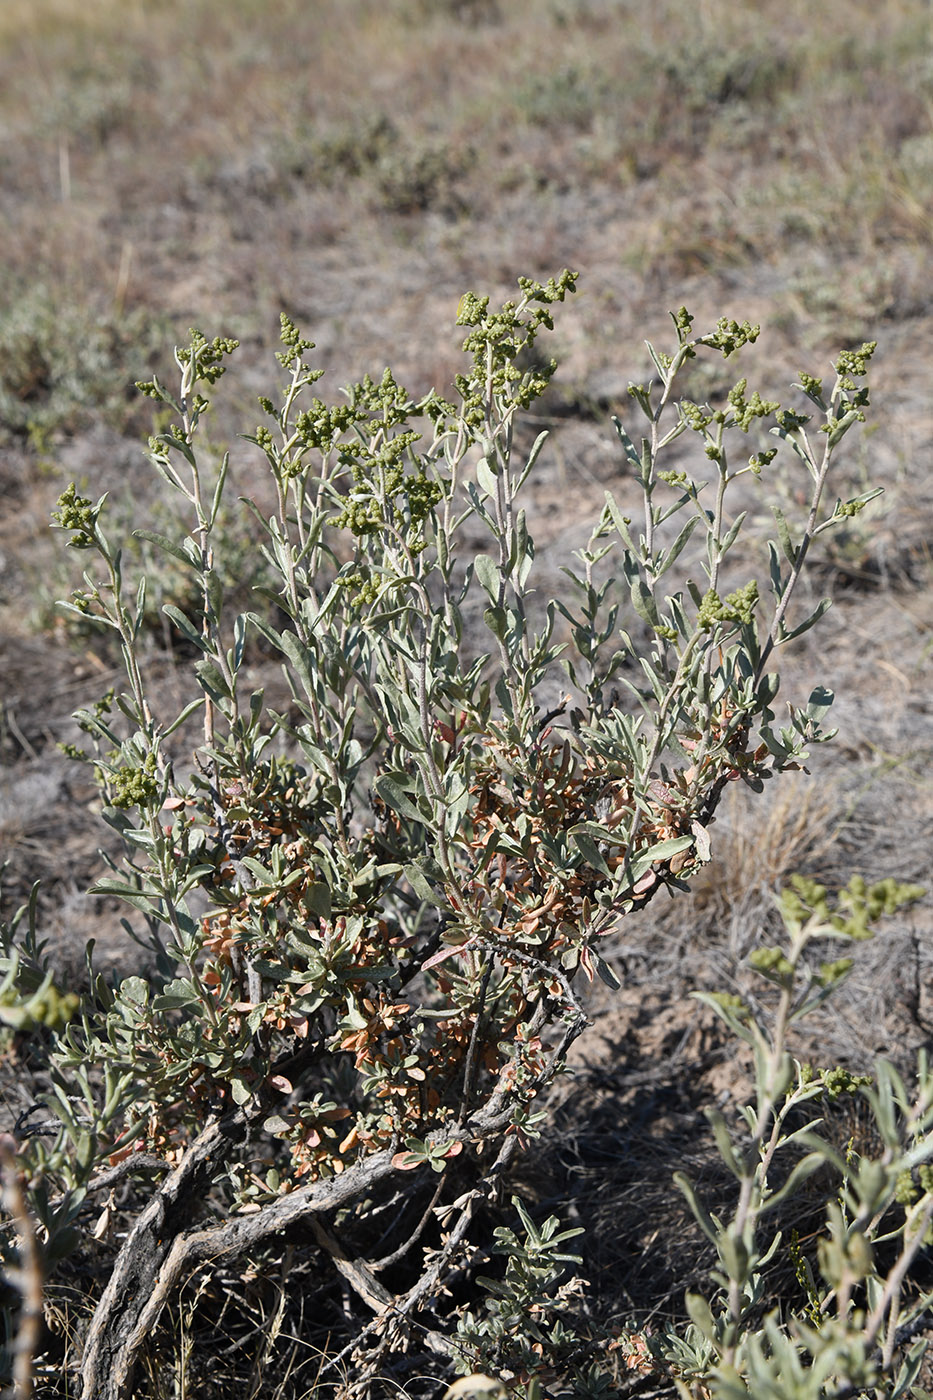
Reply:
x=179, y=123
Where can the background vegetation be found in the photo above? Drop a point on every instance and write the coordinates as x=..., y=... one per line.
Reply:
x=359, y=166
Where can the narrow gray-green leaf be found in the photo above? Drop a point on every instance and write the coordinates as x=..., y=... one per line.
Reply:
x=663, y=369
x=486, y=476
x=732, y=533
x=139, y=616
x=774, y=571
x=177, y=444
x=821, y=607
x=594, y=832
x=619, y=521
x=631, y=451
x=215, y=592
x=783, y=530
x=590, y=851
x=297, y=654
x=662, y=851
x=726, y=1013
x=678, y=545
x=263, y=627
x=724, y=1143
x=798, y=1174
x=698, y=1310
x=184, y=626
x=167, y=474
x=219, y=490
x=643, y=602
x=177, y=551
x=212, y=678
x=396, y=798
x=532, y=458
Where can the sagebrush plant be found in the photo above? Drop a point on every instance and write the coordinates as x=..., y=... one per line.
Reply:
x=365, y=914
x=854, y=1314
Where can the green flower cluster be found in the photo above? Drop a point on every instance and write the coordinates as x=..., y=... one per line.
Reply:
x=47, y=1007
x=295, y=344
x=845, y=510
x=858, y=906
x=173, y=433
x=761, y=459
x=730, y=1001
x=208, y=355
x=683, y=322
x=865, y=904
x=321, y=426
x=853, y=364
x=496, y=339
x=134, y=787
x=911, y=1184
x=832, y=972
x=747, y=410
x=839, y=1081
x=380, y=481
x=812, y=387
x=366, y=589
x=730, y=336
x=772, y=963
x=377, y=459
x=77, y=513
x=788, y=420
x=694, y=416
x=737, y=607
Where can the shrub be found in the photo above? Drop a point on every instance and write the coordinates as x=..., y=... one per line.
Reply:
x=366, y=913
x=853, y=1315
x=57, y=365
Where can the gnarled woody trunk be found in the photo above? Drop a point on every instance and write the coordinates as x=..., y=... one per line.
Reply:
x=160, y=1250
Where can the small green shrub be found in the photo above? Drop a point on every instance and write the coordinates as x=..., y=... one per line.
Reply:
x=467, y=12
x=365, y=911
x=568, y=97
x=406, y=177
x=59, y=361
x=840, y=1335
x=409, y=180
x=343, y=152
